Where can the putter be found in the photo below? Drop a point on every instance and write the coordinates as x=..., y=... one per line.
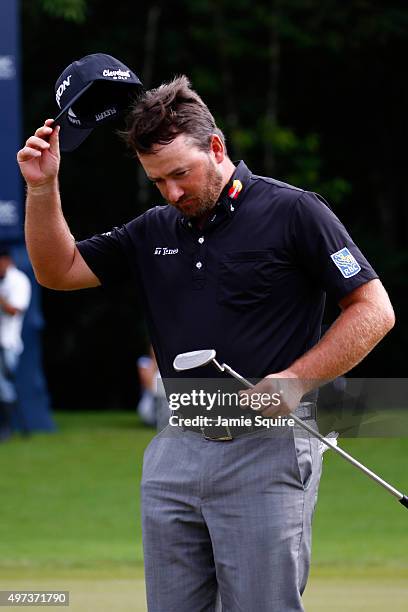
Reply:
x=196, y=359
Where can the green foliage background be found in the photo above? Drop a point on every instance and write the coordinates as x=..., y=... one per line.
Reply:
x=313, y=93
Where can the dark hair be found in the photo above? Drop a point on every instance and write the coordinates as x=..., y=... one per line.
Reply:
x=161, y=114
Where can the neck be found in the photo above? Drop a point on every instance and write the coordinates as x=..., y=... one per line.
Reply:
x=228, y=170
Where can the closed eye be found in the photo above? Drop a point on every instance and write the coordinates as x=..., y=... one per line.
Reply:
x=177, y=173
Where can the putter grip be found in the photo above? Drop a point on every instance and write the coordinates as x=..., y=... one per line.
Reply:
x=404, y=501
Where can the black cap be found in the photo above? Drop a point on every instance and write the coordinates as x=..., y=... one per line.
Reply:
x=91, y=91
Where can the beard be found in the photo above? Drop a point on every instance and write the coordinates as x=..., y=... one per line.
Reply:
x=203, y=202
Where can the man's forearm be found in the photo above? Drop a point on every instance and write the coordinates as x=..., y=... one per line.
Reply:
x=50, y=244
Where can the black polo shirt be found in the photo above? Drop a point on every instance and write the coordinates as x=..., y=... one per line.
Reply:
x=250, y=284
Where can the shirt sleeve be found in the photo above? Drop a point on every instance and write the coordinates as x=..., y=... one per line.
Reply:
x=325, y=248
x=108, y=255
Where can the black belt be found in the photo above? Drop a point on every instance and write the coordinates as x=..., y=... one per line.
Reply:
x=306, y=411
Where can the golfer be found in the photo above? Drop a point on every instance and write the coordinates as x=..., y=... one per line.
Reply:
x=240, y=263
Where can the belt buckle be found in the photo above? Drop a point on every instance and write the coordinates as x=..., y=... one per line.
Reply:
x=222, y=438
x=306, y=411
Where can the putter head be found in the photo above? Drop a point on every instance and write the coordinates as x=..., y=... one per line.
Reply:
x=193, y=359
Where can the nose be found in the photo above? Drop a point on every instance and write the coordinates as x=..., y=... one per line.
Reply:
x=173, y=192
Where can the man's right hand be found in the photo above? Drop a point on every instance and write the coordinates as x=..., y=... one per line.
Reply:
x=39, y=160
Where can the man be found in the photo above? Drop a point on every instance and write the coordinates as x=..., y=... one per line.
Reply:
x=15, y=294
x=239, y=263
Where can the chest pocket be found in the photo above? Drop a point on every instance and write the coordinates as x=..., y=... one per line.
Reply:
x=246, y=277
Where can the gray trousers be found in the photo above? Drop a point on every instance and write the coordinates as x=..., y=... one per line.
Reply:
x=233, y=517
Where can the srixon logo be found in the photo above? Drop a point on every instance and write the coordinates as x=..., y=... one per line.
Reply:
x=65, y=83
x=165, y=251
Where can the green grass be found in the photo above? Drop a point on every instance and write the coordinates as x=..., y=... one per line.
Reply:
x=358, y=525
x=69, y=507
x=72, y=498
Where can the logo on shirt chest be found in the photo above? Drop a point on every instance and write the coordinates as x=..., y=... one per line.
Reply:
x=165, y=251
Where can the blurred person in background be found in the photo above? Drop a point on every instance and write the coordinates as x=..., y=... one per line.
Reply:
x=147, y=370
x=153, y=408
x=15, y=295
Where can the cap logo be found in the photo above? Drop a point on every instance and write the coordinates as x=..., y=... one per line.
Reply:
x=346, y=263
x=72, y=117
x=65, y=83
x=107, y=113
x=235, y=189
x=116, y=74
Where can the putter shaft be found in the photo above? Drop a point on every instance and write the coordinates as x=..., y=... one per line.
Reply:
x=194, y=359
x=403, y=499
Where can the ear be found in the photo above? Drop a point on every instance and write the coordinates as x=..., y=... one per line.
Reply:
x=217, y=148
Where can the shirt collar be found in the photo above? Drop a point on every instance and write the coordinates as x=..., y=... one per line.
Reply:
x=231, y=196
x=233, y=193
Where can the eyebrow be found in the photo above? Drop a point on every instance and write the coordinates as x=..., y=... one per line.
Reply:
x=175, y=171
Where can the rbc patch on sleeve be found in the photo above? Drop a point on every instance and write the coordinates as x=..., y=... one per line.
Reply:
x=346, y=263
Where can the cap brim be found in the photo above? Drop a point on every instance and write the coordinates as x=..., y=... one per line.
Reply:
x=64, y=109
x=71, y=137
